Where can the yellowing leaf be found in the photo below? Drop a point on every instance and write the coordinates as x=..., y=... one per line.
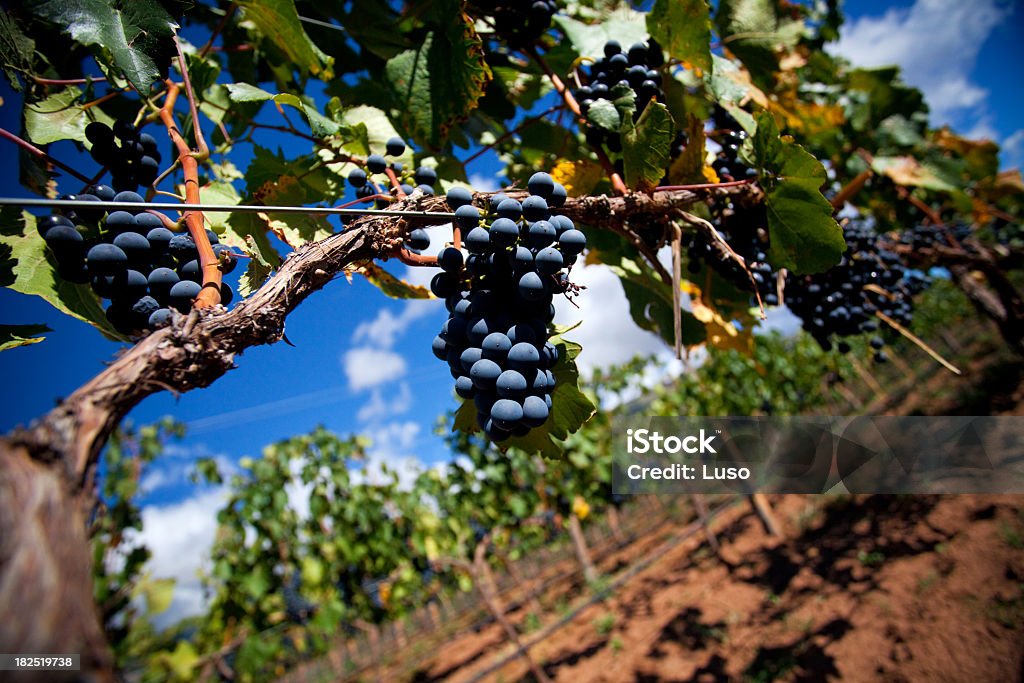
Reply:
x=391, y=285
x=580, y=507
x=578, y=177
x=721, y=333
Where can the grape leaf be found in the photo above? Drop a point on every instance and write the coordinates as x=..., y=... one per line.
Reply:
x=683, y=27
x=756, y=31
x=805, y=238
x=689, y=166
x=912, y=173
x=440, y=82
x=625, y=26
x=731, y=89
x=603, y=114
x=137, y=35
x=16, y=49
x=390, y=285
x=646, y=146
x=26, y=267
x=319, y=125
x=279, y=22
x=60, y=117
x=13, y=336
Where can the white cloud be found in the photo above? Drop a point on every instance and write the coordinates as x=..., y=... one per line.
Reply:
x=1013, y=150
x=936, y=42
x=608, y=334
x=180, y=536
x=385, y=329
x=484, y=183
x=378, y=407
x=394, y=447
x=366, y=367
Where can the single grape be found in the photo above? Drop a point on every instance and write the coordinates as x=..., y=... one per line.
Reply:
x=143, y=308
x=522, y=332
x=439, y=348
x=531, y=287
x=65, y=242
x=144, y=222
x=397, y=167
x=120, y=221
x=135, y=246
x=495, y=346
x=572, y=242
x=128, y=196
x=443, y=285
x=504, y=232
x=458, y=196
x=395, y=146
x=182, y=248
x=464, y=387
x=535, y=208
x=558, y=196
x=99, y=133
x=376, y=163
x=549, y=261
x=191, y=271
x=535, y=411
x=160, y=282
x=183, y=294
x=496, y=200
x=425, y=189
x=418, y=239
x=612, y=48
x=159, y=239
x=357, y=177
x=469, y=356
x=511, y=384
x=425, y=175
x=523, y=357
x=161, y=317
x=506, y=413
x=467, y=217
x=485, y=373
x=541, y=184
x=106, y=259
x=104, y=192
x=510, y=209
x=478, y=241
x=542, y=234
x=226, y=294
x=450, y=259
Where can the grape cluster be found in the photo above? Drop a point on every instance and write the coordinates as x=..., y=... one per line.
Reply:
x=836, y=302
x=361, y=178
x=615, y=75
x=130, y=258
x=744, y=229
x=520, y=23
x=133, y=162
x=500, y=299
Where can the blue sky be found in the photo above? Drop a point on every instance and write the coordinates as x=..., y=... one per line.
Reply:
x=362, y=362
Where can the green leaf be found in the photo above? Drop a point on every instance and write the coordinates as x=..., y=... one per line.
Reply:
x=13, y=336
x=646, y=146
x=320, y=125
x=245, y=92
x=392, y=286
x=604, y=114
x=729, y=90
x=157, y=593
x=625, y=26
x=756, y=31
x=683, y=27
x=16, y=49
x=25, y=267
x=59, y=117
x=439, y=83
x=279, y=23
x=137, y=35
x=805, y=238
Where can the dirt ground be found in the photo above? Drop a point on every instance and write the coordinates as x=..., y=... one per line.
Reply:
x=876, y=588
